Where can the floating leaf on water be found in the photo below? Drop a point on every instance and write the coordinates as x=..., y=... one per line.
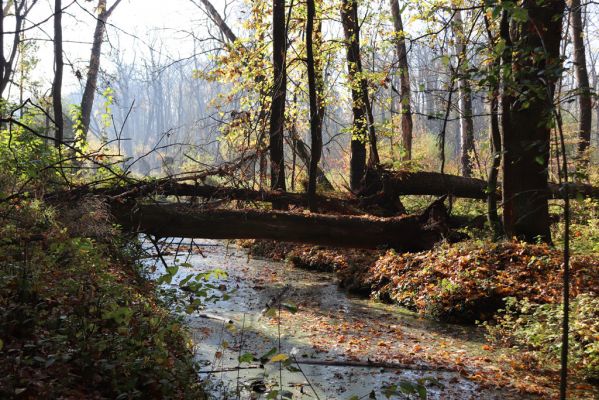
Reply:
x=280, y=357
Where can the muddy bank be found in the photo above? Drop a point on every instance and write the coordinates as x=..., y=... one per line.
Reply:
x=464, y=282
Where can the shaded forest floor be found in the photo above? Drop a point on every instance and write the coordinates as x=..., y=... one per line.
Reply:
x=515, y=287
x=78, y=319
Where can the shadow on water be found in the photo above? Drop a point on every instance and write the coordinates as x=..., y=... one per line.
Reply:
x=327, y=322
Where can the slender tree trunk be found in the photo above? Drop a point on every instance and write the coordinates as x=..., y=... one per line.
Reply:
x=465, y=97
x=585, y=116
x=7, y=64
x=58, y=71
x=87, y=101
x=219, y=21
x=277, y=114
x=405, y=109
x=315, y=117
x=2, y=56
x=495, y=138
x=232, y=38
x=527, y=134
x=360, y=129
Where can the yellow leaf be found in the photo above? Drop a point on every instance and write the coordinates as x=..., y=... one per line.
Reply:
x=279, y=358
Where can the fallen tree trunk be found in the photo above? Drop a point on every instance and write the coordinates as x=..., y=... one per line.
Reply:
x=409, y=233
x=397, y=183
x=325, y=203
x=382, y=189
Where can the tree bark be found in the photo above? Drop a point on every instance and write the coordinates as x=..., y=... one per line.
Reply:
x=535, y=69
x=219, y=21
x=87, y=101
x=465, y=97
x=437, y=184
x=7, y=61
x=279, y=91
x=495, y=135
x=582, y=76
x=323, y=203
x=302, y=149
x=405, y=108
x=360, y=123
x=58, y=72
x=315, y=117
x=409, y=233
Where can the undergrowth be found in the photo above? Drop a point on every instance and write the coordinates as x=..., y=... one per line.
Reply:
x=77, y=319
x=537, y=327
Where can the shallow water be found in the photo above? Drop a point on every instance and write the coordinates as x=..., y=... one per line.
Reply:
x=329, y=326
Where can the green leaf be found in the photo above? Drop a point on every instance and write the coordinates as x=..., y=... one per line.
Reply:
x=246, y=358
x=389, y=391
x=265, y=357
x=271, y=312
x=540, y=160
x=421, y=392
x=407, y=387
x=520, y=14
x=292, y=308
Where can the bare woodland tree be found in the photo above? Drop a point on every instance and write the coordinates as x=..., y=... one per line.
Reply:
x=363, y=129
x=465, y=96
x=87, y=101
x=20, y=11
x=279, y=90
x=585, y=117
x=58, y=72
x=315, y=111
x=405, y=108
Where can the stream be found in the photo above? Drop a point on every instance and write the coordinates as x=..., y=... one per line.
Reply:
x=338, y=346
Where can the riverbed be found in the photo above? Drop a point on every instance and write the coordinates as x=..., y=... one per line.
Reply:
x=331, y=345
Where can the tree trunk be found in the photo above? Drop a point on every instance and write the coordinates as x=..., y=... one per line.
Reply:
x=405, y=109
x=360, y=124
x=21, y=10
x=437, y=184
x=219, y=21
x=535, y=69
x=87, y=101
x=315, y=117
x=302, y=149
x=465, y=96
x=409, y=233
x=495, y=136
x=279, y=91
x=582, y=76
x=58, y=71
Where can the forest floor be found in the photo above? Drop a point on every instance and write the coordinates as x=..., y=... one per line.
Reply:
x=464, y=283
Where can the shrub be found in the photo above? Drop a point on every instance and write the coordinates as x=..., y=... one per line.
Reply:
x=537, y=327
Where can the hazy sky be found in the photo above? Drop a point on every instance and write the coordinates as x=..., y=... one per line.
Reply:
x=135, y=28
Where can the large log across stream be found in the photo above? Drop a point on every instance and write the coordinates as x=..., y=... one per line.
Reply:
x=412, y=232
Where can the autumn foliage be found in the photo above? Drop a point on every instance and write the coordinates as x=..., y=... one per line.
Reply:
x=469, y=281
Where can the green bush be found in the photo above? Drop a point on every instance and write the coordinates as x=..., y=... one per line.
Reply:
x=537, y=327
x=77, y=319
